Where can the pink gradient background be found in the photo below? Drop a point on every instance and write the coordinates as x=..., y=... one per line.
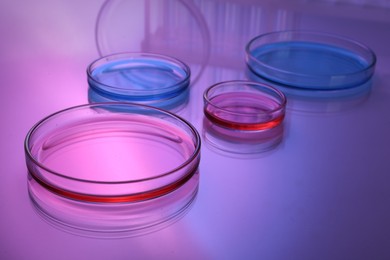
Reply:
x=322, y=193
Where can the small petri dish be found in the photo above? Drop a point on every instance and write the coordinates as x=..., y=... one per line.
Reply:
x=310, y=60
x=144, y=78
x=112, y=152
x=244, y=105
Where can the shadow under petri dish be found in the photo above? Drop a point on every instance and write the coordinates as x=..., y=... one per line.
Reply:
x=112, y=152
x=319, y=101
x=174, y=28
x=241, y=144
x=111, y=221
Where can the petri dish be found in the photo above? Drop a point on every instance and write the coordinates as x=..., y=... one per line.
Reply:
x=144, y=78
x=310, y=60
x=113, y=220
x=244, y=105
x=112, y=152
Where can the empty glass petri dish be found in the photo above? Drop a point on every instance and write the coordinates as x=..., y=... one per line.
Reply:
x=144, y=78
x=174, y=28
x=310, y=60
x=112, y=152
x=244, y=105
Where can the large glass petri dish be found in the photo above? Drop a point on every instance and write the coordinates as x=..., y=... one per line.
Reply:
x=244, y=105
x=144, y=78
x=112, y=152
x=310, y=60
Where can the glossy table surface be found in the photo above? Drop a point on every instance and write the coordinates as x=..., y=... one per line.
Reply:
x=320, y=191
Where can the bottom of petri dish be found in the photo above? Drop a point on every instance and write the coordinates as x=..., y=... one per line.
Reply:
x=112, y=152
x=241, y=144
x=111, y=221
x=319, y=101
x=175, y=104
x=244, y=105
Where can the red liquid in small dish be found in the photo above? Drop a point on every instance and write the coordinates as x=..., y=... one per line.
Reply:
x=244, y=111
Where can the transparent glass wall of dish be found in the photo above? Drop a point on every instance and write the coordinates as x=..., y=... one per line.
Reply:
x=231, y=26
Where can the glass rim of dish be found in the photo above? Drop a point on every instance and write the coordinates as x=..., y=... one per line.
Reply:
x=368, y=51
x=280, y=94
x=195, y=154
x=115, y=90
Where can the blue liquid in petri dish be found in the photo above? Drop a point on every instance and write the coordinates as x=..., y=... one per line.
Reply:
x=174, y=104
x=309, y=65
x=139, y=79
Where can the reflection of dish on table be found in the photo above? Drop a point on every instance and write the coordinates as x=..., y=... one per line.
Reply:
x=117, y=220
x=319, y=102
x=241, y=144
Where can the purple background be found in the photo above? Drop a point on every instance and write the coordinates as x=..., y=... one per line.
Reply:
x=323, y=193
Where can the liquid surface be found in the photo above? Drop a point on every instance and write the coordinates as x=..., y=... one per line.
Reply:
x=310, y=65
x=139, y=74
x=128, y=148
x=309, y=58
